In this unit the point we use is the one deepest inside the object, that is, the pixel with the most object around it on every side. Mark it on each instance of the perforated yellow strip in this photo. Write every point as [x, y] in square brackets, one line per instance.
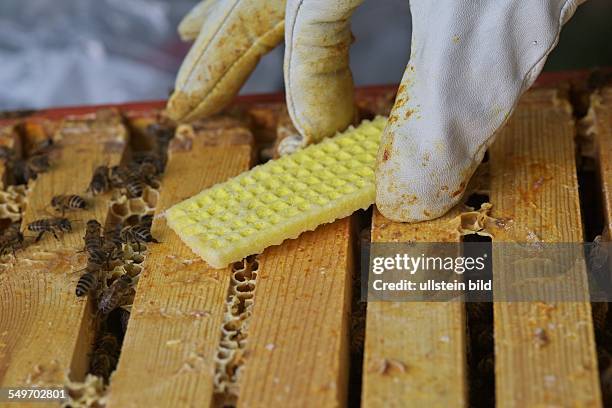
[282, 198]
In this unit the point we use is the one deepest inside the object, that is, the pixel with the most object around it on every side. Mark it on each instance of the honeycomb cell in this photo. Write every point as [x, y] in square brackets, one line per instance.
[123, 209]
[281, 198]
[89, 393]
[12, 202]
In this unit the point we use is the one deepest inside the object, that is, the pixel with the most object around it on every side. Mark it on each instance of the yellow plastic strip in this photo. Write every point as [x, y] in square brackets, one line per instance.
[281, 198]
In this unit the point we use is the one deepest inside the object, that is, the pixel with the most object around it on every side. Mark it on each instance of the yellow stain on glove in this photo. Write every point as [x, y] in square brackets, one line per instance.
[281, 198]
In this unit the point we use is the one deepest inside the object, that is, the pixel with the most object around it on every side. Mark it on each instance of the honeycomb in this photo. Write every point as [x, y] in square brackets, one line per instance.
[87, 394]
[9, 137]
[10, 145]
[476, 221]
[127, 210]
[123, 211]
[230, 352]
[282, 198]
[12, 202]
[132, 264]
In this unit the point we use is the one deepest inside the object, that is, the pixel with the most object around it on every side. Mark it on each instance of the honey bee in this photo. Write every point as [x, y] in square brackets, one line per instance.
[43, 147]
[111, 254]
[65, 202]
[93, 236]
[107, 343]
[149, 174]
[127, 178]
[115, 294]
[6, 153]
[87, 282]
[100, 252]
[100, 258]
[11, 240]
[150, 162]
[118, 176]
[134, 186]
[100, 182]
[112, 236]
[51, 225]
[162, 133]
[146, 220]
[29, 169]
[105, 356]
[137, 234]
[93, 228]
[35, 165]
[124, 318]
[102, 365]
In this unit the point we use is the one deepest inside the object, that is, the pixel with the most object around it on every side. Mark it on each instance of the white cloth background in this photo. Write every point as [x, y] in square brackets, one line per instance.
[70, 52]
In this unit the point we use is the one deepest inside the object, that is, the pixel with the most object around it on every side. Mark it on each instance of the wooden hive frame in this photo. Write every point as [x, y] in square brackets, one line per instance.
[299, 339]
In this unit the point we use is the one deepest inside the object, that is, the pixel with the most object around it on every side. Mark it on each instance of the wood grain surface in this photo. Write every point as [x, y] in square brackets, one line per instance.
[175, 325]
[297, 350]
[415, 352]
[45, 330]
[602, 133]
[544, 351]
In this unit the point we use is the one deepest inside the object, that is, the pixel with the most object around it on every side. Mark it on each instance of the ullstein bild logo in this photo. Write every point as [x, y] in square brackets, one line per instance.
[432, 285]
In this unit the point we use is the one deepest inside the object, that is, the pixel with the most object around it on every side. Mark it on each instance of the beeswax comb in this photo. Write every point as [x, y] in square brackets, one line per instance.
[282, 198]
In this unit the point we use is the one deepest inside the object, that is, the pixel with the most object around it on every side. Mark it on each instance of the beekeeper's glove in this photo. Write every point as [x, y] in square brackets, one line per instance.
[470, 62]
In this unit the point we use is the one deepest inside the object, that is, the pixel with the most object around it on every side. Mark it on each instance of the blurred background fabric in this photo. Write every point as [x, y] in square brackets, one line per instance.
[74, 52]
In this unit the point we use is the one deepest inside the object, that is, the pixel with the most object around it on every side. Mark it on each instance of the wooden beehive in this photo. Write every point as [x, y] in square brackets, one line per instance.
[286, 328]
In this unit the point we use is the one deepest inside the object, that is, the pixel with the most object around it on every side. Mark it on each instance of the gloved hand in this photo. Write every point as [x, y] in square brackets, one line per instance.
[470, 62]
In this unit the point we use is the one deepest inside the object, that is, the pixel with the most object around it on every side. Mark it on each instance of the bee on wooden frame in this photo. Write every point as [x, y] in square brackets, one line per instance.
[99, 251]
[162, 133]
[100, 180]
[113, 296]
[50, 225]
[105, 355]
[112, 236]
[43, 147]
[11, 240]
[25, 170]
[127, 178]
[137, 234]
[63, 202]
[6, 153]
[88, 281]
[93, 235]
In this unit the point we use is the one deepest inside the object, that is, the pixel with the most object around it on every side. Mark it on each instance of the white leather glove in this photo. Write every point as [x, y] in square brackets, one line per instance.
[470, 62]
[230, 38]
